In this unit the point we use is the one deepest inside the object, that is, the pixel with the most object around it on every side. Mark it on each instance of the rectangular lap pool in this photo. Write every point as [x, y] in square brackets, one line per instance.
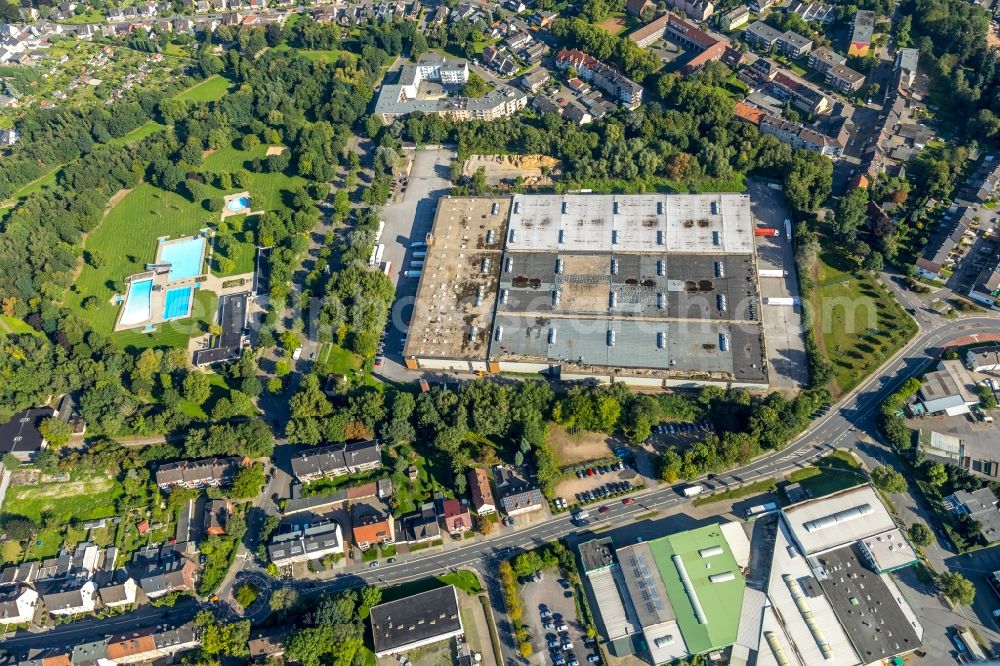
[184, 257]
[137, 303]
[177, 303]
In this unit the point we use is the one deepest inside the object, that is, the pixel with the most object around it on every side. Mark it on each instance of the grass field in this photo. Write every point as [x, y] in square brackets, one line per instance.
[859, 324]
[335, 359]
[242, 253]
[13, 325]
[84, 497]
[834, 472]
[219, 390]
[38, 184]
[209, 90]
[332, 55]
[139, 133]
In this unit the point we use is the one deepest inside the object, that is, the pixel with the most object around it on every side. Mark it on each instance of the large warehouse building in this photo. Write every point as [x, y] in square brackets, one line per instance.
[651, 290]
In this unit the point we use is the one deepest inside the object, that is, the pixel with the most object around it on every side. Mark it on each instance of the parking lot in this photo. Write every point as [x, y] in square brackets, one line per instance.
[408, 219]
[593, 483]
[550, 612]
[786, 353]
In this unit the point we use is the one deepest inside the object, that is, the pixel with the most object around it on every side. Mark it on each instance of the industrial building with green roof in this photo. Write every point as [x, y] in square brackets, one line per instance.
[670, 597]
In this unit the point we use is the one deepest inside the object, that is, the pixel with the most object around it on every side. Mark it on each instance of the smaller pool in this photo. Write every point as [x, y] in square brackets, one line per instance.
[238, 204]
[137, 303]
[177, 303]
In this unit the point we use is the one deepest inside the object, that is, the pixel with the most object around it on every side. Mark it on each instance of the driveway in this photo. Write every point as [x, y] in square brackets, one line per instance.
[407, 220]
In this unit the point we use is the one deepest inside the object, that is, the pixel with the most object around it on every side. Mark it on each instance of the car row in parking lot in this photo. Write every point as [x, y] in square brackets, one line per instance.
[607, 490]
[675, 428]
[601, 470]
[559, 641]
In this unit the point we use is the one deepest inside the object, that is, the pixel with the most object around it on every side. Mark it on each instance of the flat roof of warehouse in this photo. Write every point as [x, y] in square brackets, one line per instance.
[700, 223]
[453, 275]
[704, 574]
[689, 346]
[838, 519]
[875, 623]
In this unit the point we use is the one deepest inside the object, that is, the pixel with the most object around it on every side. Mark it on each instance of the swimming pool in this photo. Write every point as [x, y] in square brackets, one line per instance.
[238, 204]
[184, 257]
[177, 303]
[136, 309]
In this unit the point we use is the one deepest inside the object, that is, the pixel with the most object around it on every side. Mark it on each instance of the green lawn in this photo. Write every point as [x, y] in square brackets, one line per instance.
[834, 472]
[333, 358]
[464, 580]
[139, 133]
[9, 325]
[266, 189]
[219, 390]
[38, 184]
[858, 322]
[209, 90]
[84, 497]
[756, 488]
[242, 253]
[332, 55]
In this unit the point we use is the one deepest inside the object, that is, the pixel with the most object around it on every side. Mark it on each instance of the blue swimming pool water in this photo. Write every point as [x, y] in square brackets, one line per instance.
[238, 204]
[136, 309]
[177, 303]
[184, 258]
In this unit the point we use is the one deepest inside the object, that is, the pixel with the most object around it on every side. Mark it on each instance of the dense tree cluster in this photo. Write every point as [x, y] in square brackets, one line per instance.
[636, 63]
[336, 633]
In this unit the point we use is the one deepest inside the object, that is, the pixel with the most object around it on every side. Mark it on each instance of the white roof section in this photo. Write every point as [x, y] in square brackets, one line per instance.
[665, 642]
[890, 550]
[798, 641]
[738, 541]
[646, 223]
[821, 524]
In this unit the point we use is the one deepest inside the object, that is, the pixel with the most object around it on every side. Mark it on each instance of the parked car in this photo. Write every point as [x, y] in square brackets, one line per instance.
[554, 644]
[391, 560]
[628, 501]
[593, 658]
[562, 628]
[603, 509]
[374, 565]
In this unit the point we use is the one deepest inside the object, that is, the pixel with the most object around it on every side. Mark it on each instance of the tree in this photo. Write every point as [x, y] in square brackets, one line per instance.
[921, 535]
[283, 599]
[248, 482]
[888, 480]
[19, 528]
[937, 475]
[245, 595]
[850, 214]
[957, 588]
[197, 387]
[227, 639]
[309, 646]
[371, 596]
[55, 431]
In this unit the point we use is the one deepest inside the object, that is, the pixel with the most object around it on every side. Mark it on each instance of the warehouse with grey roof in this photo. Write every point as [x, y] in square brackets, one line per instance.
[653, 290]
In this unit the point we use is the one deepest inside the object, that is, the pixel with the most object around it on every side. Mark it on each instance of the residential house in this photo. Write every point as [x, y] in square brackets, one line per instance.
[119, 594]
[336, 460]
[986, 288]
[950, 390]
[640, 8]
[199, 473]
[861, 33]
[762, 36]
[980, 506]
[798, 135]
[814, 11]
[544, 19]
[838, 75]
[650, 33]
[72, 597]
[421, 525]
[498, 62]
[517, 495]
[372, 529]
[577, 114]
[518, 40]
[267, 644]
[308, 542]
[946, 248]
[8, 137]
[601, 75]
[217, 514]
[535, 80]
[906, 66]
[164, 569]
[455, 516]
[18, 604]
[983, 359]
[735, 18]
[479, 489]
[696, 10]
[20, 436]
[761, 6]
[793, 44]
[406, 624]
[150, 644]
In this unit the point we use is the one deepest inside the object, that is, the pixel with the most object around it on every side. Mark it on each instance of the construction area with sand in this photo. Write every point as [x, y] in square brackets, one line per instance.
[534, 169]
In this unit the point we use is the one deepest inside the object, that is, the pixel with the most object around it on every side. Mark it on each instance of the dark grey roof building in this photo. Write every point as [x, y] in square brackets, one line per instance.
[336, 460]
[412, 622]
[20, 436]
